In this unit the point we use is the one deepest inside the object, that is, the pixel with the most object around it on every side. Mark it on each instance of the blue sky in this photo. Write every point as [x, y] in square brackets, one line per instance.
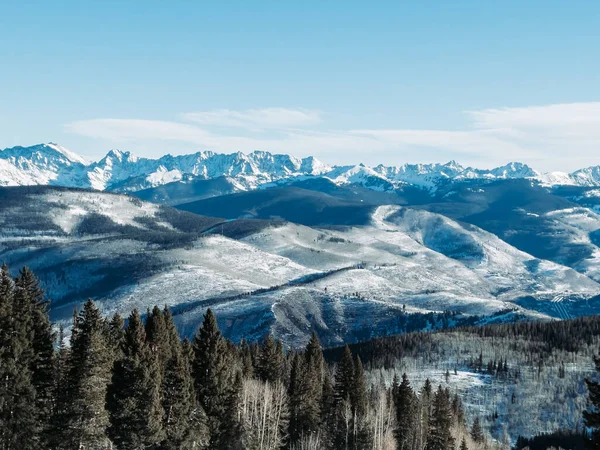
[392, 82]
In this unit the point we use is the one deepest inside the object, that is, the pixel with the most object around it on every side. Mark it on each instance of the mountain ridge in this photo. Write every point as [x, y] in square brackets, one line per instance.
[122, 171]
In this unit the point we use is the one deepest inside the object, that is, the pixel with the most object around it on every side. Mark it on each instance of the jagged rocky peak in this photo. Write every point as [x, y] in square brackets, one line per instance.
[121, 170]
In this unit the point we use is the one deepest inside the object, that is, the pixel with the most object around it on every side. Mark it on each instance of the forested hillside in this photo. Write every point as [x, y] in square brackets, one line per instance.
[134, 384]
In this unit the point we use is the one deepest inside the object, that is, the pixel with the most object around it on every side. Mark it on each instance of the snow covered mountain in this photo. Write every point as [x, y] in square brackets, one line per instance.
[51, 164]
[347, 282]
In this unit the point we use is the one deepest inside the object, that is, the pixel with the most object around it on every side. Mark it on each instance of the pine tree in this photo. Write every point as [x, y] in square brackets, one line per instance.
[182, 422]
[477, 432]
[42, 362]
[271, 361]
[246, 358]
[360, 405]
[306, 390]
[178, 403]
[424, 414]
[115, 335]
[463, 445]
[60, 392]
[404, 400]
[88, 374]
[133, 397]
[19, 423]
[344, 377]
[214, 380]
[342, 427]
[592, 415]
[157, 336]
[297, 396]
[440, 423]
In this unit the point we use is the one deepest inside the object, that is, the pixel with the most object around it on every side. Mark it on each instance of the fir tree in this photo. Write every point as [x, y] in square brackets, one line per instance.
[246, 358]
[592, 414]
[463, 445]
[440, 423]
[214, 380]
[60, 393]
[89, 364]
[306, 390]
[297, 396]
[404, 400]
[342, 427]
[271, 361]
[344, 377]
[477, 432]
[19, 422]
[42, 362]
[179, 403]
[133, 397]
[360, 405]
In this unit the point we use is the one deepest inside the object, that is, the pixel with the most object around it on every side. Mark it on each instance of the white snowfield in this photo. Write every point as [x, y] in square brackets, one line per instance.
[51, 164]
[348, 283]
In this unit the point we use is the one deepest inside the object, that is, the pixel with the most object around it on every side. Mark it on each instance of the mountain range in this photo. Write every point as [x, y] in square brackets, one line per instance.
[276, 244]
[52, 164]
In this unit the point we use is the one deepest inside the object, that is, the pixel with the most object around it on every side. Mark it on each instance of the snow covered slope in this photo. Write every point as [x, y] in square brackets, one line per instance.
[51, 164]
[347, 282]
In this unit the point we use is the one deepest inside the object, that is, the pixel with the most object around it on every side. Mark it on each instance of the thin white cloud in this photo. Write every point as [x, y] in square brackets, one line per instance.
[552, 137]
[585, 116]
[256, 119]
[133, 129]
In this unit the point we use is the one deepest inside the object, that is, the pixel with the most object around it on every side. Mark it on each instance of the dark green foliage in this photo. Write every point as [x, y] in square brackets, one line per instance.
[592, 415]
[42, 362]
[440, 423]
[214, 380]
[89, 365]
[133, 397]
[272, 361]
[141, 387]
[344, 377]
[405, 402]
[477, 432]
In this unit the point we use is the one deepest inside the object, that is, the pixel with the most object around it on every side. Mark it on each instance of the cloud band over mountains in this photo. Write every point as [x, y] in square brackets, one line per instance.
[551, 137]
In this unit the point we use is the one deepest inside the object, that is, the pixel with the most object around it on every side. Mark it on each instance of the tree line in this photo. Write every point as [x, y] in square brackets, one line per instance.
[135, 384]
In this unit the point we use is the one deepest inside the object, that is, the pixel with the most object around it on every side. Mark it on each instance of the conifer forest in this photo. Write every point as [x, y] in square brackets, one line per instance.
[133, 383]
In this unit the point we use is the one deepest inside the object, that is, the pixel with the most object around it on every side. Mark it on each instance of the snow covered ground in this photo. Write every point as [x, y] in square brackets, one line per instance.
[349, 283]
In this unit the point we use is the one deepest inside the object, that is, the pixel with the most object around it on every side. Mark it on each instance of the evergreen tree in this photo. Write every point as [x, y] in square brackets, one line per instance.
[440, 423]
[133, 397]
[19, 423]
[157, 336]
[404, 400]
[424, 414]
[458, 411]
[297, 396]
[360, 406]
[463, 445]
[42, 362]
[115, 335]
[246, 358]
[179, 403]
[477, 432]
[272, 362]
[342, 427]
[344, 377]
[214, 381]
[592, 415]
[60, 393]
[306, 390]
[88, 374]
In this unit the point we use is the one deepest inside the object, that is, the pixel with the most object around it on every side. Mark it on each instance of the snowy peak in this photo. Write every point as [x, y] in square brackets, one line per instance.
[590, 176]
[52, 164]
[41, 154]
